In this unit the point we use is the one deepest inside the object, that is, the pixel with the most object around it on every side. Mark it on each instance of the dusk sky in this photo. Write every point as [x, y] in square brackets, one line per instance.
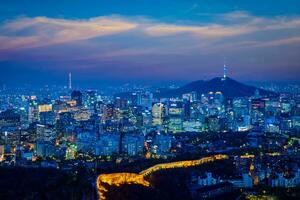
[137, 40]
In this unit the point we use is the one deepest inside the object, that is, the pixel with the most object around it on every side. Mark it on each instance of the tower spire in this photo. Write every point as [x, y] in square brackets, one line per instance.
[70, 80]
[224, 70]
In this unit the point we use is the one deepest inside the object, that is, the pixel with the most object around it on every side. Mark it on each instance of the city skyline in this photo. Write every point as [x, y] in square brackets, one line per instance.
[150, 100]
[219, 137]
[176, 41]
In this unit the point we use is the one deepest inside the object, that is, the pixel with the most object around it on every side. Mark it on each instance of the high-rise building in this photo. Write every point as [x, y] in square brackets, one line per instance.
[132, 145]
[214, 124]
[77, 96]
[82, 114]
[191, 96]
[45, 108]
[108, 144]
[9, 118]
[147, 100]
[86, 141]
[109, 112]
[91, 100]
[33, 112]
[47, 118]
[136, 98]
[45, 133]
[158, 113]
[175, 116]
[46, 115]
[120, 103]
[161, 144]
[258, 113]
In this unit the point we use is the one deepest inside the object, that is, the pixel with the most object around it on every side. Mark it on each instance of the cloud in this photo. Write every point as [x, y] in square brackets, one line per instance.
[279, 42]
[142, 36]
[43, 31]
[209, 31]
[236, 15]
[228, 25]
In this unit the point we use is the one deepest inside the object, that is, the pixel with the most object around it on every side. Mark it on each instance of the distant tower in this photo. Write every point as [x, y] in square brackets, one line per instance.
[225, 71]
[70, 80]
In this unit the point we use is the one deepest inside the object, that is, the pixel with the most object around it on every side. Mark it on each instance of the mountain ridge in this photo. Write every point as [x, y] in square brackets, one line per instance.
[229, 87]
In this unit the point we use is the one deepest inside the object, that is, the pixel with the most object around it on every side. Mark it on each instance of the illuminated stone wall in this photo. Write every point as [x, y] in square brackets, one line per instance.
[117, 179]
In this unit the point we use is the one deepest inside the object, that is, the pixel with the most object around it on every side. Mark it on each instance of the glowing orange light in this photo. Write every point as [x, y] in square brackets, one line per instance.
[118, 179]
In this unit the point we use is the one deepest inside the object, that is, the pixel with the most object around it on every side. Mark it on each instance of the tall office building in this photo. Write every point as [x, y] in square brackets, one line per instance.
[158, 113]
[121, 103]
[108, 144]
[258, 113]
[47, 118]
[191, 96]
[109, 112]
[77, 96]
[132, 145]
[91, 100]
[33, 111]
[175, 117]
[44, 133]
[9, 118]
[136, 98]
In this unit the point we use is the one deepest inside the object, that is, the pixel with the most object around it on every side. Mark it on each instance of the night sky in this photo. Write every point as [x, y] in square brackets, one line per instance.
[138, 40]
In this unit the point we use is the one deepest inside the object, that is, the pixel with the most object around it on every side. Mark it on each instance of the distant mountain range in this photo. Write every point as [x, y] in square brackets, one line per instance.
[228, 86]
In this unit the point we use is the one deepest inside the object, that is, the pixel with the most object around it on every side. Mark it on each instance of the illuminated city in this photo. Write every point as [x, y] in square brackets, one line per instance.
[150, 100]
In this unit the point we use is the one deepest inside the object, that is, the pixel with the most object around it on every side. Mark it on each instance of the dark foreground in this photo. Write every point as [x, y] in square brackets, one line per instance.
[27, 184]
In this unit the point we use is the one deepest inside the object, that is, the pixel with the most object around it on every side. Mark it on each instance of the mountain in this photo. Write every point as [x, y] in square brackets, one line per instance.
[228, 86]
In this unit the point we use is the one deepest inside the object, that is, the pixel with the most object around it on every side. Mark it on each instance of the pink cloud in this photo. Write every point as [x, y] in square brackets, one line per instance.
[23, 33]
[48, 31]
